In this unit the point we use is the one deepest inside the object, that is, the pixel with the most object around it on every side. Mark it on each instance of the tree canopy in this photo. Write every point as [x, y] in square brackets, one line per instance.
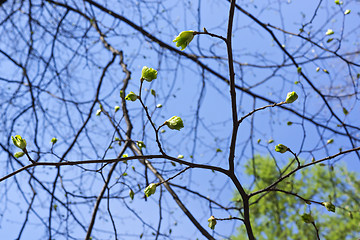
[277, 213]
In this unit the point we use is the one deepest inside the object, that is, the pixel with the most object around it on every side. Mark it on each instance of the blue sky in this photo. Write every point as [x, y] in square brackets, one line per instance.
[202, 102]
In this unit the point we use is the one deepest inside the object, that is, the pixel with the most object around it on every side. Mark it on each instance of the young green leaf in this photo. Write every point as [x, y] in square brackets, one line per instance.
[131, 97]
[140, 144]
[148, 74]
[307, 218]
[19, 142]
[281, 148]
[152, 91]
[150, 190]
[131, 194]
[329, 206]
[291, 97]
[19, 154]
[183, 39]
[212, 222]
[329, 32]
[174, 123]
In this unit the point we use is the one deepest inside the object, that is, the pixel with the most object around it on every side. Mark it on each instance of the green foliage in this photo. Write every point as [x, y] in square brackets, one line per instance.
[131, 194]
[183, 39]
[131, 96]
[140, 144]
[329, 32]
[338, 2]
[278, 215]
[329, 206]
[291, 97]
[307, 218]
[150, 190]
[153, 92]
[212, 222]
[174, 123]
[281, 148]
[19, 154]
[148, 74]
[19, 142]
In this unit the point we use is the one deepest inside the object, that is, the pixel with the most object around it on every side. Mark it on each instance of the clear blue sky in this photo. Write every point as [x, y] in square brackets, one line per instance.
[180, 91]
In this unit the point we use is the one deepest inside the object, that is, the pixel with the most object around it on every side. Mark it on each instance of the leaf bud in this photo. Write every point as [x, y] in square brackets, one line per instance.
[148, 74]
[54, 140]
[174, 123]
[131, 194]
[212, 222]
[329, 206]
[140, 144]
[150, 190]
[19, 154]
[291, 97]
[183, 39]
[281, 148]
[19, 142]
[131, 96]
[307, 218]
[329, 32]
[152, 91]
